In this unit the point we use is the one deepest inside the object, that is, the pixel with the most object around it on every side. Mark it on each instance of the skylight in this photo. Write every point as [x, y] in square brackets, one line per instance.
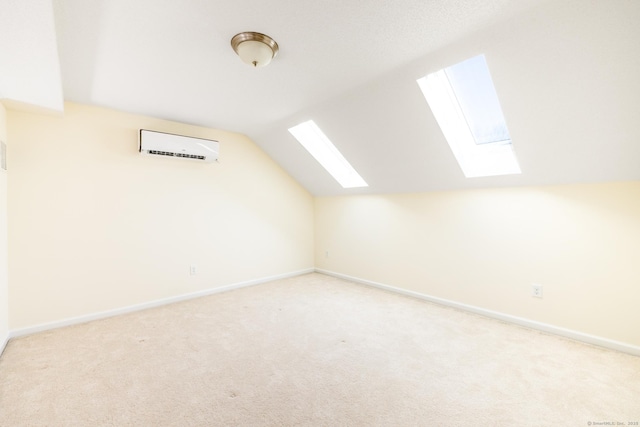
[466, 106]
[322, 149]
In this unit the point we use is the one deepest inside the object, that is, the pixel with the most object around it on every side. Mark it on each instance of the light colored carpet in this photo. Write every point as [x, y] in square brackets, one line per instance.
[311, 351]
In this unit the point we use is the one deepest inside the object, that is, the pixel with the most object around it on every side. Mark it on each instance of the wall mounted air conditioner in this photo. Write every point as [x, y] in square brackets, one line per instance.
[166, 144]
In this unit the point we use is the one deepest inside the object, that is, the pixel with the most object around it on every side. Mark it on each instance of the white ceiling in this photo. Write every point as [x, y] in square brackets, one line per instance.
[567, 74]
[29, 66]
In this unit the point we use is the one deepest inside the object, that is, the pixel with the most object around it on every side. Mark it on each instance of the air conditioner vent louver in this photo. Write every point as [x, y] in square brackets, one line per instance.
[166, 153]
[186, 147]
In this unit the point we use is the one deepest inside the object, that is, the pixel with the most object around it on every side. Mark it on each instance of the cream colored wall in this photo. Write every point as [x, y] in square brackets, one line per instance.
[486, 247]
[4, 292]
[97, 226]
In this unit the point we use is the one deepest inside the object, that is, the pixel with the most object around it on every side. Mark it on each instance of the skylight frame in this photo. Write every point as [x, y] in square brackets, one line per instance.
[475, 159]
[311, 137]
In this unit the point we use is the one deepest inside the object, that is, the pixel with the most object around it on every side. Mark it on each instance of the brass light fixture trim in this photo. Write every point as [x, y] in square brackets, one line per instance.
[250, 36]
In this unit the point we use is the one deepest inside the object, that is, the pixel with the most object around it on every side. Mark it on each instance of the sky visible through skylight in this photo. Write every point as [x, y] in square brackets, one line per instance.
[472, 84]
[465, 105]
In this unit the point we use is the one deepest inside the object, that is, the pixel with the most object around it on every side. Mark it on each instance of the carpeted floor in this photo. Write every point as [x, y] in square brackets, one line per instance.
[312, 351]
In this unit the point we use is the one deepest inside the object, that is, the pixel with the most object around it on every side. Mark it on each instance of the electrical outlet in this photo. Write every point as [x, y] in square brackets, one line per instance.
[536, 290]
[192, 270]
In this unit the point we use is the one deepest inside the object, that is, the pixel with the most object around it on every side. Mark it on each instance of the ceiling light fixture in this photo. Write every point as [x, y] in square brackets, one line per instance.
[255, 49]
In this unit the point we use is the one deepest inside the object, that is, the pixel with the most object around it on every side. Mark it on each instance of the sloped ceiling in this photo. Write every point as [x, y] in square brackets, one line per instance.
[566, 73]
[29, 65]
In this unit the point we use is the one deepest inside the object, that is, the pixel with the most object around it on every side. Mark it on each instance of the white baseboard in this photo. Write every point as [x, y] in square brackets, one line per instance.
[3, 343]
[568, 333]
[151, 304]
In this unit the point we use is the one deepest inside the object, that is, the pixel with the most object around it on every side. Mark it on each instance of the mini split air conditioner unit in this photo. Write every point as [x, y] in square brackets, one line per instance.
[166, 144]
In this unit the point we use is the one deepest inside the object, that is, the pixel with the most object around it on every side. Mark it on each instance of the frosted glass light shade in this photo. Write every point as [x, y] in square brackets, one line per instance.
[255, 53]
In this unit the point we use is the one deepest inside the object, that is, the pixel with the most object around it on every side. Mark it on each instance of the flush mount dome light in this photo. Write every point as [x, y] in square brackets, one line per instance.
[255, 49]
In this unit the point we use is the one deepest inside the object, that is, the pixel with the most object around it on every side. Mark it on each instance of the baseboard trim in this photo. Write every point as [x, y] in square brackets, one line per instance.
[3, 343]
[544, 327]
[151, 304]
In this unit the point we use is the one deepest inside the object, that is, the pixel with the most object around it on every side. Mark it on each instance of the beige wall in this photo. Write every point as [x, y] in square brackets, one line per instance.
[485, 248]
[4, 304]
[97, 226]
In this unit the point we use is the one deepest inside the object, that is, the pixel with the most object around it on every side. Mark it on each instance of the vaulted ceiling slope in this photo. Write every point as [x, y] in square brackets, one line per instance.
[29, 65]
[566, 74]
